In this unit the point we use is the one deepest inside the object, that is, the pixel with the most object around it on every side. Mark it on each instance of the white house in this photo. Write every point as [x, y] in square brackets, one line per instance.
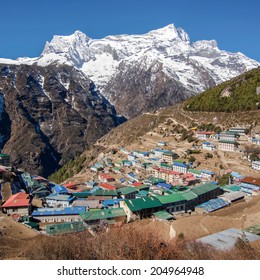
[208, 146]
[226, 145]
[256, 165]
[203, 135]
[59, 200]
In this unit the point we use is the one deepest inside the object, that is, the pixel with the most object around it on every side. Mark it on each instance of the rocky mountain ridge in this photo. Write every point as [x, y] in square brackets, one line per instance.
[137, 73]
[49, 115]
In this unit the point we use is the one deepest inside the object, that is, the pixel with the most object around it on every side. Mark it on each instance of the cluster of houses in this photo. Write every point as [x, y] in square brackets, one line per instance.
[229, 141]
[143, 184]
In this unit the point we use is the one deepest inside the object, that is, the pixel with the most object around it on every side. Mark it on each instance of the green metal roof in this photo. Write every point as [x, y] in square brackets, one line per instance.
[105, 193]
[166, 165]
[138, 204]
[102, 214]
[168, 153]
[189, 195]
[172, 198]
[32, 225]
[228, 133]
[231, 188]
[201, 189]
[81, 194]
[126, 190]
[4, 155]
[253, 229]
[117, 168]
[194, 171]
[146, 163]
[143, 193]
[155, 180]
[67, 227]
[228, 142]
[163, 215]
[142, 187]
[179, 160]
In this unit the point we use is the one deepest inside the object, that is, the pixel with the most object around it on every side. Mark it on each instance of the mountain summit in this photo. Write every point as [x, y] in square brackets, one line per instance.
[137, 73]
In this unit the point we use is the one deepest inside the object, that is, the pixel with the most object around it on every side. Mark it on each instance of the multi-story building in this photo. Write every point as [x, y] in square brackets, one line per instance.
[226, 145]
[228, 136]
[256, 165]
[5, 160]
[238, 130]
[180, 167]
[168, 157]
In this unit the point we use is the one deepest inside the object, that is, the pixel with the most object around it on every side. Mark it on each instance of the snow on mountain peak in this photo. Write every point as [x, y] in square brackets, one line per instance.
[169, 32]
[103, 59]
[205, 44]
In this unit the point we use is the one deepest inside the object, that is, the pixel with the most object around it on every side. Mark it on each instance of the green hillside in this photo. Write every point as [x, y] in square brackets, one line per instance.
[239, 94]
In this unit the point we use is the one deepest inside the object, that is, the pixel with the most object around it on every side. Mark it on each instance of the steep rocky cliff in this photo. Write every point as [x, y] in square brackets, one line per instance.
[50, 114]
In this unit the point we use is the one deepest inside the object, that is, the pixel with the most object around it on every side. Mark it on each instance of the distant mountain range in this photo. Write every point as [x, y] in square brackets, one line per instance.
[137, 73]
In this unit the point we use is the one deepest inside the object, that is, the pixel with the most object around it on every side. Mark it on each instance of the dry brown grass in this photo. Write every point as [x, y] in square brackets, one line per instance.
[120, 244]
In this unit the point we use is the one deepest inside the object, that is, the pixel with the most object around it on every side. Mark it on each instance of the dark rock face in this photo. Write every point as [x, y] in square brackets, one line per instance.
[49, 115]
[136, 90]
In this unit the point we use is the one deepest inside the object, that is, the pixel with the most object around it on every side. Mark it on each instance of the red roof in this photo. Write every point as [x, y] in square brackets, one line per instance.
[40, 178]
[17, 200]
[107, 186]
[187, 175]
[190, 179]
[106, 176]
[251, 180]
[70, 185]
[137, 184]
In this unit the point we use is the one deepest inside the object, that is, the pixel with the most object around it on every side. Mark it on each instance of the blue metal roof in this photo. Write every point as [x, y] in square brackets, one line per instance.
[180, 164]
[131, 174]
[111, 202]
[164, 185]
[161, 150]
[248, 186]
[208, 172]
[59, 189]
[94, 189]
[213, 204]
[58, 211]
[236, 175]
[154, 159]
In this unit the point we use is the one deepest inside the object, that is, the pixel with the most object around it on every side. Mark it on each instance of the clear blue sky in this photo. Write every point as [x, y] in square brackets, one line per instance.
[25, 25]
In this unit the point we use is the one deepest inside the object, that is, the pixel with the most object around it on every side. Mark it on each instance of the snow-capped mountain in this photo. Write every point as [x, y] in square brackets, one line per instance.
[143, 72]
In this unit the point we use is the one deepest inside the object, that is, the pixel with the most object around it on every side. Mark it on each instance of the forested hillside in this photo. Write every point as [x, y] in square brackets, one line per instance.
[239, 94]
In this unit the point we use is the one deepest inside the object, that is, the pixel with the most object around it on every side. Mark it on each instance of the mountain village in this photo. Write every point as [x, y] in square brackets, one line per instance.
[126, 185]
